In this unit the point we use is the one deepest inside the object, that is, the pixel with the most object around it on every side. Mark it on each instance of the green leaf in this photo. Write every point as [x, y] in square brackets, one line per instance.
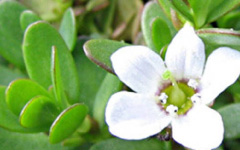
[150, 12]
[17, 141]
[37, 56]
[100, 50]
[20, 91]
[39, 112]
[67, 122]
[7, 75]
[230, 20]
[230, 115]
[221, 9]
[68, 29]
[182, 8]
[28, 17]
[214, 38]
[201, 9]
[110, 85]
[161, 34]
[9, 120]
[166, 6]
[57, 80]
[118, 144]
[11, 34]
[90, 75]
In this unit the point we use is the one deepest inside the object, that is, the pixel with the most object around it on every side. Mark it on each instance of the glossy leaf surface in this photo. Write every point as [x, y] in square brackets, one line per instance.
[36, 44]
[11, 34]
[100, 50]
[40, 112]
[68, 29]
[28, 17]
[67, 122]
[19, 92]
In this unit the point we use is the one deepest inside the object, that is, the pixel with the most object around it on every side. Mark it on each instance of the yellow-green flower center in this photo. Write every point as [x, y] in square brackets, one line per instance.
[179, 95]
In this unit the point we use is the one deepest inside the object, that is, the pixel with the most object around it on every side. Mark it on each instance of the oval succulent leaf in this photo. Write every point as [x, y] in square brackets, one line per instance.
[68, 29]
[28, 17]
[151, 11]
[230, 115]
[11, 34]
[100, 50]
[9, 120]
[67, 122]
[214, 38]
[20, 91]
[39, 112]
[37, 56]
[161, 34]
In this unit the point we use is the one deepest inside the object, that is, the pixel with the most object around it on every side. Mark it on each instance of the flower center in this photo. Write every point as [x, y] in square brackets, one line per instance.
[178, 98]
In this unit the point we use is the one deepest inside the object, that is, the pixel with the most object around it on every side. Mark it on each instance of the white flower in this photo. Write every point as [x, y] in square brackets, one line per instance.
[173, 93]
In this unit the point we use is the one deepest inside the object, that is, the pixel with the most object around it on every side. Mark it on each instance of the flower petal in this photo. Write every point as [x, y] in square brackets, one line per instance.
[200, 128]
[139, 68]
[134, 116]
[185, 55]
[222, 70]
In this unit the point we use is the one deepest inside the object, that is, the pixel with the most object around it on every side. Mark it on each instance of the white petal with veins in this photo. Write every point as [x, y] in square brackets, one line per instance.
[139, 68]
[134, 116]
[186, 55]
[222, 69]
[200, 128]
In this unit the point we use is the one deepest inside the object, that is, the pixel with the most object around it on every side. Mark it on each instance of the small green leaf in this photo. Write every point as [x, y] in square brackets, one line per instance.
[37, 56]
[119, 144]
[9, 120]
[161, 34]
[182, 8]
[28, 17]
[18, 141]
[7, 75]
[67, 122]
[100, 50]
[230, 115]
[57, 80]
[110, 85]
[11, 34]
[214, 38]
[39, 112]
[68, 29]
[19, 92]
[222, 8]
[150, 12]
[201, 9]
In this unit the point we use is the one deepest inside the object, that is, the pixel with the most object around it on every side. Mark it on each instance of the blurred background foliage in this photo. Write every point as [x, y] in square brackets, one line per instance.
[71, 92]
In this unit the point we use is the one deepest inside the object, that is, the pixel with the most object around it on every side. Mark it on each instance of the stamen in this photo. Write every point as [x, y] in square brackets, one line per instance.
[172, 110]
[193, 83]
[196, 98]
[163, 98]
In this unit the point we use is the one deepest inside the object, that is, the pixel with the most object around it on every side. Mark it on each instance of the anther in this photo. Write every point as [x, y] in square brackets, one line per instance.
[196, 98]
[163, 98]
[172, 110]
[193, 83]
